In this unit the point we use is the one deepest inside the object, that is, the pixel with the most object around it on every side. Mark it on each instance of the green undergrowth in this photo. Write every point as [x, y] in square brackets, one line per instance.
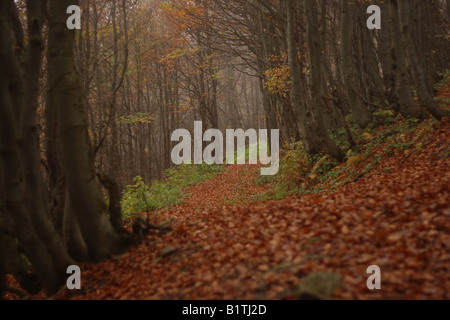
[141, 197]
[445, 80]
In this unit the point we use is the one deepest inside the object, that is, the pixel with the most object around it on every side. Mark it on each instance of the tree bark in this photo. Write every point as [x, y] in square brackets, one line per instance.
[360, 113]
[35, 195]
[321, 137]
[77, 154]
[404, 100]
[72, 233]
[299, 108]
[423, 86]
[18, 95]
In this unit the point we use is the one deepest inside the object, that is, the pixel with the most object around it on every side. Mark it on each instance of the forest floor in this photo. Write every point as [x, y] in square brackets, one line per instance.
[224, 246]
[227, 244]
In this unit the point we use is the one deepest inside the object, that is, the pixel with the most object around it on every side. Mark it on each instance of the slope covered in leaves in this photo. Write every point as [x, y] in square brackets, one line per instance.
[396, 219]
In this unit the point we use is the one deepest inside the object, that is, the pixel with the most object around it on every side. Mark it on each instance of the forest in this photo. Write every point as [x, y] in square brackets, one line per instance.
[89, 116]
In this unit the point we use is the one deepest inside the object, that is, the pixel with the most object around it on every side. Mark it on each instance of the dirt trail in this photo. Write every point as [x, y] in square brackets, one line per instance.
[236, 185]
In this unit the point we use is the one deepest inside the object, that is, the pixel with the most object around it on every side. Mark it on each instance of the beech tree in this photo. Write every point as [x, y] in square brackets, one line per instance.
[25, 213]
[24, 207]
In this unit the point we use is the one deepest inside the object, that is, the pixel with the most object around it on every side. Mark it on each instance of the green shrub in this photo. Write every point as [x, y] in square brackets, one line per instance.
[186, 175]
[294, 169]
[139, 197]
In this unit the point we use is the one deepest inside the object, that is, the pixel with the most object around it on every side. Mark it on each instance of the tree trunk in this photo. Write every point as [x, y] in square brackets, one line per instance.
[385, 53]
[77, 154]
[404, 100]
[299, 108]
[72, 233]
[321, 137]
[36, 198]
[22, 181]
[360, 113]
[423, 86]
[33, 246]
